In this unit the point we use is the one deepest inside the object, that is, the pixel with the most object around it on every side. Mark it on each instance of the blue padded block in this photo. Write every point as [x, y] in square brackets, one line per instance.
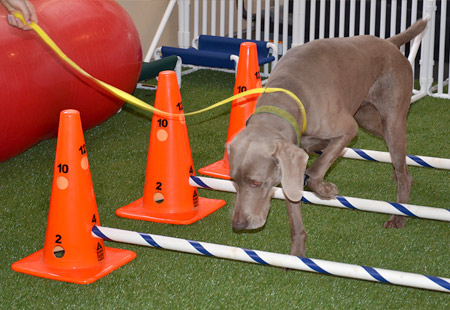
[263, 61]
[200, 58]
[215, 51]
[229, 45]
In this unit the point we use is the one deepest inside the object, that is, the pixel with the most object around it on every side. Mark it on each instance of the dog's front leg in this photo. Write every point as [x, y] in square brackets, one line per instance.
[316, 172]
[298, 233]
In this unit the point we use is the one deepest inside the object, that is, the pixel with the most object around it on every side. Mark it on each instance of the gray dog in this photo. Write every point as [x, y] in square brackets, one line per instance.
[342, 82]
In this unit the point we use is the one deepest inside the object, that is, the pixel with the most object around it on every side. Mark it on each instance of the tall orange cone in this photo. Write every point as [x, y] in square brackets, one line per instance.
[70, 251]
[247, 77]
[168, 197]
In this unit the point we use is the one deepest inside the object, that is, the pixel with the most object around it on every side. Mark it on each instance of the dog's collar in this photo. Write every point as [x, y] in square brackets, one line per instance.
[293, 96]
[283, 114]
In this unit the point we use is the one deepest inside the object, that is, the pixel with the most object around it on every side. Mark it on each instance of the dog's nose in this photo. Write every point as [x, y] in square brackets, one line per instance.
[239, 224]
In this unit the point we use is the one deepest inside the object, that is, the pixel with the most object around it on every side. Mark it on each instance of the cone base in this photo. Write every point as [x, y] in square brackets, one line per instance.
[137, 211]
[219, 169]
[34, 265]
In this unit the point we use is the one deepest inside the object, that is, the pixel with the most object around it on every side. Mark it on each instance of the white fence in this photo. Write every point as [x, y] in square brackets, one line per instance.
[295, 22]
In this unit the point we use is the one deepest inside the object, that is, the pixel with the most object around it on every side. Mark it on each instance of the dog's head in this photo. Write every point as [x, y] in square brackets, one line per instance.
[257, 164]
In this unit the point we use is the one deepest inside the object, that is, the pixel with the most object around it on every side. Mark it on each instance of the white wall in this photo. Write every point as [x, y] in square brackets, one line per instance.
[147, 15]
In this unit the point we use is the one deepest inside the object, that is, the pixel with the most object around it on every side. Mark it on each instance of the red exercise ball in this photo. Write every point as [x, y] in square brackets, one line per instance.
[36, 85]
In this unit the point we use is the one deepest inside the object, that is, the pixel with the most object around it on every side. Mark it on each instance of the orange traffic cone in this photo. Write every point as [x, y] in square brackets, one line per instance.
[247, 77]
[70, 251]
[168, 197]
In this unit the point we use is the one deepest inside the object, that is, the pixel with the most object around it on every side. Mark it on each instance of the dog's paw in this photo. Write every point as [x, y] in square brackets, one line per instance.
[396, 221]
[324, 190]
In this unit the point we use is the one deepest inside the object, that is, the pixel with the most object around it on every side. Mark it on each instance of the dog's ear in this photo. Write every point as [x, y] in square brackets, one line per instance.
[292, 161]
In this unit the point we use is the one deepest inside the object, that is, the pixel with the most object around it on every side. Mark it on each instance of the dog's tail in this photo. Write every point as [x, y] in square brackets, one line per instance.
[409, 34]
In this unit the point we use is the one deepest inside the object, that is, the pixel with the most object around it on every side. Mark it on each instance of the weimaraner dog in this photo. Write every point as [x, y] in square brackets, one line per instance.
[342, 82]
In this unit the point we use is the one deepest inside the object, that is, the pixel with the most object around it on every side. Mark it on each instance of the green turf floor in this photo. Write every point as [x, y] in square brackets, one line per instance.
[159, 279]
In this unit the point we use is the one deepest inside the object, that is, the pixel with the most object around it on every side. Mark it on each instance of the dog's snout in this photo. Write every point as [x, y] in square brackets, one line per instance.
[239, 224]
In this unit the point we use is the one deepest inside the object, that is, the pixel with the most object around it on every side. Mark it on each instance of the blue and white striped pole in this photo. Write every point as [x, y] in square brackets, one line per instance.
[275, 259]
[340, 201]
[385, 157]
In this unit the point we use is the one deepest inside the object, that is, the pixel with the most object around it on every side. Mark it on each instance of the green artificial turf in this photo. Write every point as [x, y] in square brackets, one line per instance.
[160, 279]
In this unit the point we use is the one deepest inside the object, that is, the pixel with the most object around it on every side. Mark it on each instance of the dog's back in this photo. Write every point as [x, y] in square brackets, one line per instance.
[326, 74]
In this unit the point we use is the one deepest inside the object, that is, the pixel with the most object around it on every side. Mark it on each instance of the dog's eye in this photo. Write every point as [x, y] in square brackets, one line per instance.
[255, 184]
